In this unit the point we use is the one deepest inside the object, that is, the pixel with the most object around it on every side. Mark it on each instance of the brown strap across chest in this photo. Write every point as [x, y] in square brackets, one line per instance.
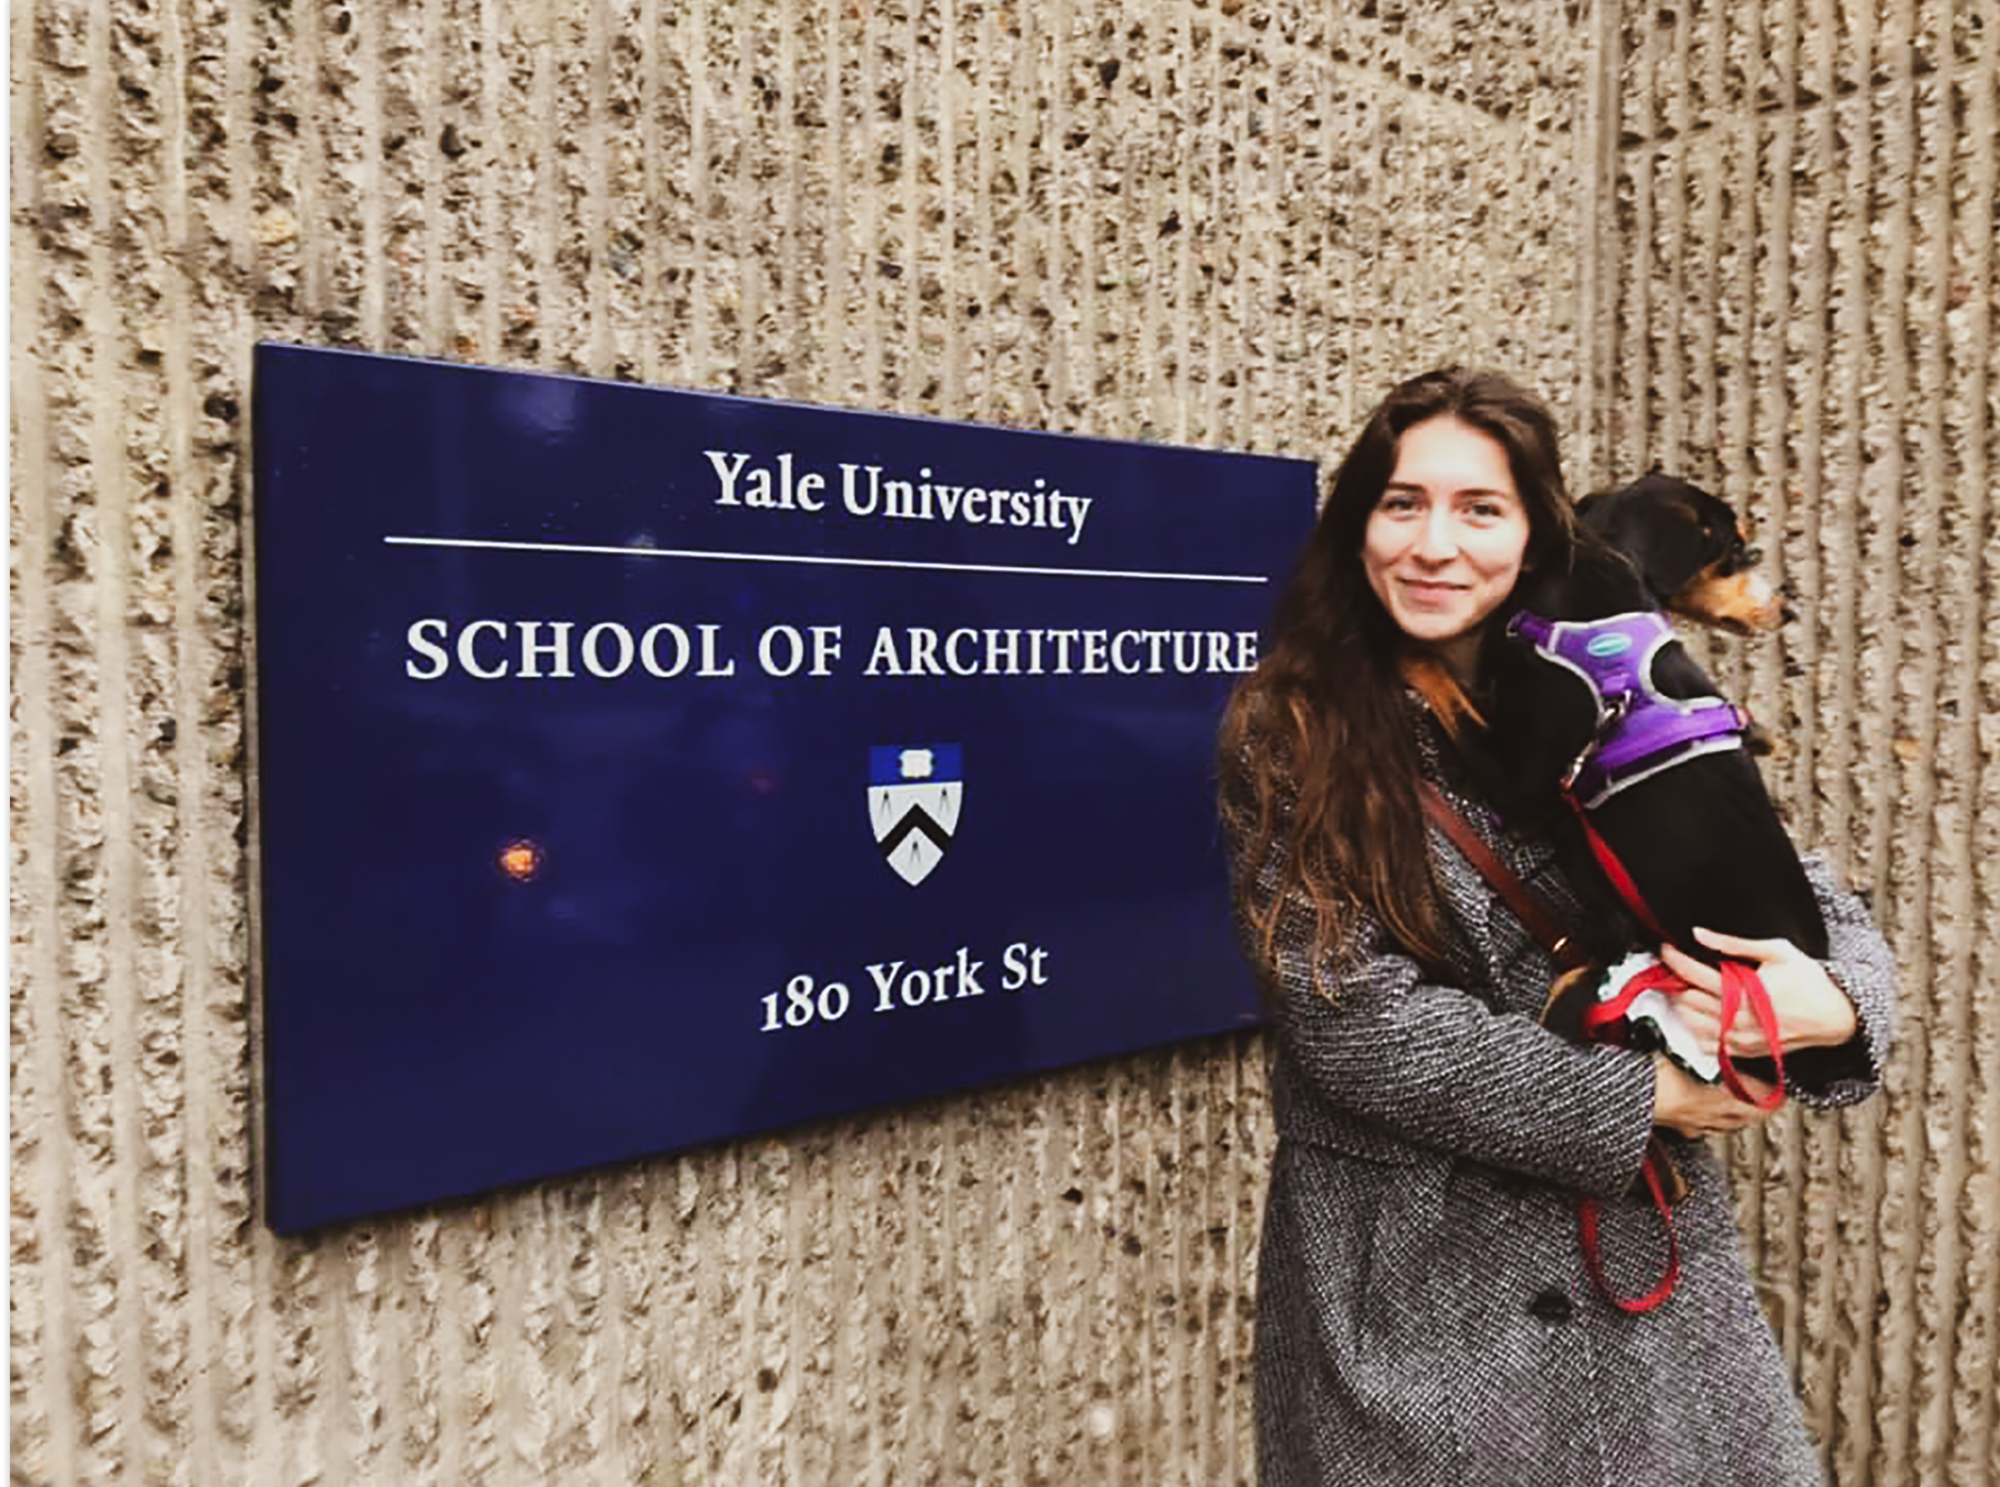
[1519, 897]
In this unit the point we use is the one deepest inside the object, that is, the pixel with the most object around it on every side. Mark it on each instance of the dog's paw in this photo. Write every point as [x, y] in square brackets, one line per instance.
[1571, 996]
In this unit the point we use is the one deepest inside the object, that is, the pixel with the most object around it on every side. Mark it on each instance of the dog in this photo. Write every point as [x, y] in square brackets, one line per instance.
[1600, 729]
[1599, 723]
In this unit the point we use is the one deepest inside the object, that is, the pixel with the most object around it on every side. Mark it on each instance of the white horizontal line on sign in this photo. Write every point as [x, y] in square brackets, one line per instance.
[489, 544]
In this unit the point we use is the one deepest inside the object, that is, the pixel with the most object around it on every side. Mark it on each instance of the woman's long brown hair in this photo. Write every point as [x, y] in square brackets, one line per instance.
[1316, 756]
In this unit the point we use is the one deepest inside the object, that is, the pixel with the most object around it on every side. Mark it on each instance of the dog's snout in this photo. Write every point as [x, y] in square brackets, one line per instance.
[1786, 614]
[1752, 556]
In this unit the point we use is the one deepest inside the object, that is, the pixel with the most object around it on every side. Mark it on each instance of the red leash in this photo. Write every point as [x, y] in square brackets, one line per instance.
[1593, 1255]
[1600, 1024]
[1615, 871]
[1740, 982]
[1656, 977]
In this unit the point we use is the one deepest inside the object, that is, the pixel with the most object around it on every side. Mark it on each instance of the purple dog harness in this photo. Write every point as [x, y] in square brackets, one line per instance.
[1639, 730]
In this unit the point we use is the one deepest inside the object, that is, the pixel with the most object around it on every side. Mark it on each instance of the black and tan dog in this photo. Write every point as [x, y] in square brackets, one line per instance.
[1599, 728]
[1694, 826]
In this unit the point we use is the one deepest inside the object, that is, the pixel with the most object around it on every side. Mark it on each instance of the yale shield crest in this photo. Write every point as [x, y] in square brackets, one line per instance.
[914, 794]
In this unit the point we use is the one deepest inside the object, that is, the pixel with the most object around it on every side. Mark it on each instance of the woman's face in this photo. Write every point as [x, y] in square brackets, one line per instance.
[1444, 544]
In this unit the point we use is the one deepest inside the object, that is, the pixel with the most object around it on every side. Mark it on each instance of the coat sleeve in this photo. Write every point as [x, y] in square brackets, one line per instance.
[1859, 961]
[1437, 1067]
[1371, 1035]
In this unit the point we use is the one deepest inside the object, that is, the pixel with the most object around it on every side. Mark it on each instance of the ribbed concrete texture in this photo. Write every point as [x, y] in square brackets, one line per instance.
[1802, 255]
[1753, 240]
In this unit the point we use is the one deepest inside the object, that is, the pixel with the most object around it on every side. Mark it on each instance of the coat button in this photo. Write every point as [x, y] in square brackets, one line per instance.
[1551, 1306]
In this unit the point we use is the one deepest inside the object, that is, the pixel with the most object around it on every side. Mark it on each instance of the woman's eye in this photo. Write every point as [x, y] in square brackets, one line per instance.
[1398, 503]
[1488, 510]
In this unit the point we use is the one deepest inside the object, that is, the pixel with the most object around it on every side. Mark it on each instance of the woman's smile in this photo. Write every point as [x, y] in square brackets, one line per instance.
[1431, 591]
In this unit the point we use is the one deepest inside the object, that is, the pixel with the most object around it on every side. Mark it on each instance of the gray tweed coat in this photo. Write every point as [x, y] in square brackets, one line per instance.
[1423, 1311]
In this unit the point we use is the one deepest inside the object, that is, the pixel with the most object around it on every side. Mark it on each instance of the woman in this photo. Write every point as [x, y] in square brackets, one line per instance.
[1424, 1313]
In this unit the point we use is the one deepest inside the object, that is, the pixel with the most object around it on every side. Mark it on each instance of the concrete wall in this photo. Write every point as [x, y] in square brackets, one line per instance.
[1801, 245]
[1227, 224]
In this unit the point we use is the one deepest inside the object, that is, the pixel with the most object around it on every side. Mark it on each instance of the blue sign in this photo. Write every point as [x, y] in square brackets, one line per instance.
[639, 768]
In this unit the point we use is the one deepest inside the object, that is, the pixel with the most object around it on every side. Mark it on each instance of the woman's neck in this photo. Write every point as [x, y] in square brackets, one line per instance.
[1449, 700]
[1460, 657]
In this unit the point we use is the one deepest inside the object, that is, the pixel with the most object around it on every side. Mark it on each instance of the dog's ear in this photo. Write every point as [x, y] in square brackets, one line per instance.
[1725, 531]
[1664, 537]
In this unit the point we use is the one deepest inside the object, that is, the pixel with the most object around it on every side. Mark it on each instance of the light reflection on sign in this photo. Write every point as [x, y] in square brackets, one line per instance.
[520, 861]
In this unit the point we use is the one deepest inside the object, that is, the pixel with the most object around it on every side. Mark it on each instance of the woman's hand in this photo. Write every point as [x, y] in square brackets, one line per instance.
[1811, 1011]
[1683, 1103]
